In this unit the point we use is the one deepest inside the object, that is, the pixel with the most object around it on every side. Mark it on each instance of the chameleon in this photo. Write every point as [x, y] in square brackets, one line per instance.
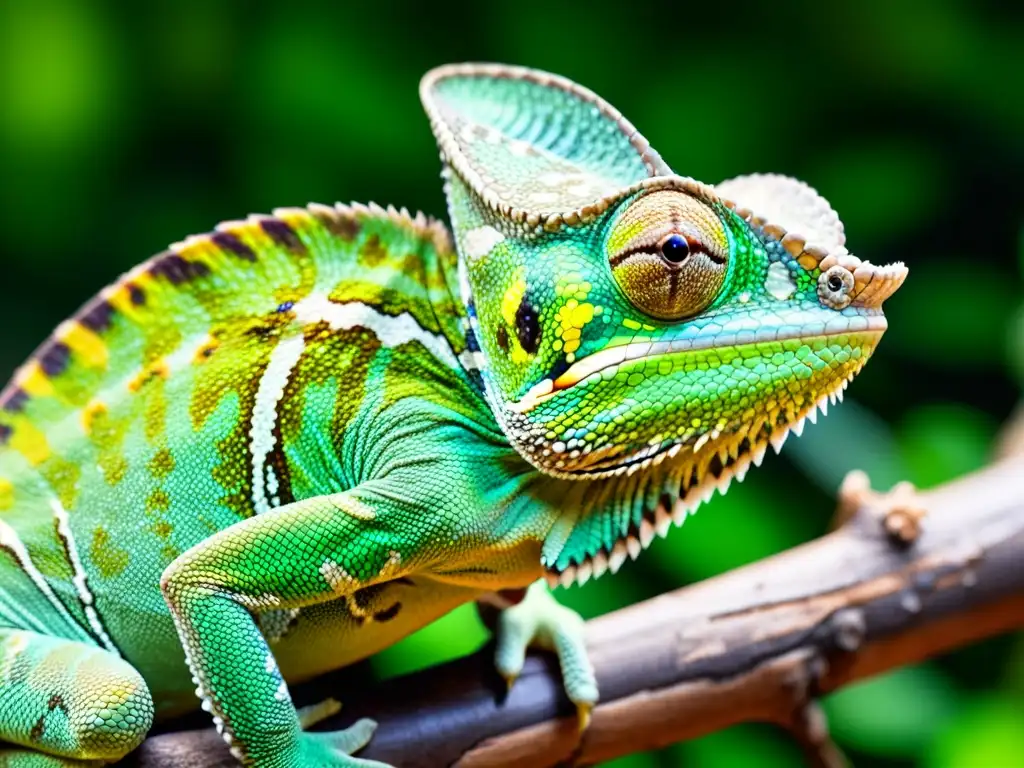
[277, 448]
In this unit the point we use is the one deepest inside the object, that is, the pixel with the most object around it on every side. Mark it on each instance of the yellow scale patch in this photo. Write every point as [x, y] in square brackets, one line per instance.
[86, 345]
[34, 381]
[571, 318]
[30, 443]
[6, 494]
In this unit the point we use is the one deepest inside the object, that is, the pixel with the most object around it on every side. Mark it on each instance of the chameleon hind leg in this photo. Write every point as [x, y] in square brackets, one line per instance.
[72, 701]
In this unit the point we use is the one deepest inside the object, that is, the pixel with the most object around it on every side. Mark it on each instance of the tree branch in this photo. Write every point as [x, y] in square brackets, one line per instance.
[757, 644]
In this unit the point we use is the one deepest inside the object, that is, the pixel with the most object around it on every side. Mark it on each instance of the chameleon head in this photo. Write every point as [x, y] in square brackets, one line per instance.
[628, 316]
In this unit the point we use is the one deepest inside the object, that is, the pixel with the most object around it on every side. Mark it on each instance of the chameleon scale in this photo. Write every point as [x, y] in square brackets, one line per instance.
[277, 448]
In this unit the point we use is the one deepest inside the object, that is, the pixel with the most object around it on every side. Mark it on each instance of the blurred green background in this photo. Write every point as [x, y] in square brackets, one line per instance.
[124, 128]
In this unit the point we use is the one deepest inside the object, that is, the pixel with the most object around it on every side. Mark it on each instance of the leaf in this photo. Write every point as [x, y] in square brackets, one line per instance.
[895, 715]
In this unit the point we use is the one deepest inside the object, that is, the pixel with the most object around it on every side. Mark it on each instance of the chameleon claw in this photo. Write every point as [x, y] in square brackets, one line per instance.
[316, 713]
[583, 715]
[510, 680]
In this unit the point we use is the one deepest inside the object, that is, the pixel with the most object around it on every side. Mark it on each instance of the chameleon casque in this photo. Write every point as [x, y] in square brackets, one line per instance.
[284, 445]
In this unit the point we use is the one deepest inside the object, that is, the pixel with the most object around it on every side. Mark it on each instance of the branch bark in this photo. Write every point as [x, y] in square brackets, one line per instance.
[757, 644]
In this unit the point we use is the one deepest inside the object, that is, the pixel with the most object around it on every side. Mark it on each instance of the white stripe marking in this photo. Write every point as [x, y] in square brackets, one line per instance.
[79, 577]
[390, 330]
[9, 540]
[283, 360]
[480, 241]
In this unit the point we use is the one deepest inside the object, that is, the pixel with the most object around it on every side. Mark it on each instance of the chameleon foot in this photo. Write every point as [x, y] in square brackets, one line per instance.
[540, 621]
[334, 749]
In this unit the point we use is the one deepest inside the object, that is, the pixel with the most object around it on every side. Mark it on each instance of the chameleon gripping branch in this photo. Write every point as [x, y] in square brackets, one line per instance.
[760, 643]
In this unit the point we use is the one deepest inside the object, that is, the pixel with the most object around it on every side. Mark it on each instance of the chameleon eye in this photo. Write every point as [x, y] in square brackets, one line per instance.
[835, 287]
[669, 254]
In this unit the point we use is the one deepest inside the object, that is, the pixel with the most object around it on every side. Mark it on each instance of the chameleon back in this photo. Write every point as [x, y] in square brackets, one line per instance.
[148, 421]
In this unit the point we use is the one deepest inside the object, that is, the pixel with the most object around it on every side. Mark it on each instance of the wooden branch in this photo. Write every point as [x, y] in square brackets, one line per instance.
[757, 644]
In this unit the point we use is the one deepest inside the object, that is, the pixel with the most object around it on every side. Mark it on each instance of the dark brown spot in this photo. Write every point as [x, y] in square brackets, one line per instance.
[231, 243]
[13, 399]
[5, 433]
[690, 481]
[502, 338]
[56, 702]
[372, 252]
[176, 268]
[365, 597]
[715, 466]
[53, 357]
[512, 596]
[343, 225]
[528, 326]
[136, 294]
[388, 613]
[282, 234]
[162, 464]
[97, 315]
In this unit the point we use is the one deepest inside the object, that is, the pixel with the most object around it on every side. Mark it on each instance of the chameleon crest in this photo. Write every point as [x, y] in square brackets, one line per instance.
[277, 448]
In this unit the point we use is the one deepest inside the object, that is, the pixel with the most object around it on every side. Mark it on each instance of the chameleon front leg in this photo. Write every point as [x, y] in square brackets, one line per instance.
[71, 700]
[312, 551]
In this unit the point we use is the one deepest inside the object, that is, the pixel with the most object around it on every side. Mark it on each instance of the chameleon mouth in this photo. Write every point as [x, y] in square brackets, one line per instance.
[712, 464]
[608, 360]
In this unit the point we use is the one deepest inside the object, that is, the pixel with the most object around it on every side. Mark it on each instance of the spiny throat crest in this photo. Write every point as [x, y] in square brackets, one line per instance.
[675, 482]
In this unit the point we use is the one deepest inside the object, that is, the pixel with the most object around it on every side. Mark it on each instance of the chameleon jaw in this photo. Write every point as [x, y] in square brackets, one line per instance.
[613, 357]
[705, 470]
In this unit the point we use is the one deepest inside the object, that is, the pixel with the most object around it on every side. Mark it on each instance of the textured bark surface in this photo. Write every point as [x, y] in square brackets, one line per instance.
[757, 644]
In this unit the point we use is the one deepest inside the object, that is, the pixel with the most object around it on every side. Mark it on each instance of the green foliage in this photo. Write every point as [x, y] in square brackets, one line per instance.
[126, 127]
[986, 732]
[896, 715]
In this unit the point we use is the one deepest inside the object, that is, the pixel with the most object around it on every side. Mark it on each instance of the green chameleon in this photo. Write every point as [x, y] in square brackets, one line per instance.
[276, 449]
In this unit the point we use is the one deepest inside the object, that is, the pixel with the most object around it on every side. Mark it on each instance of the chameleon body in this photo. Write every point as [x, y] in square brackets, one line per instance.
[277, 448]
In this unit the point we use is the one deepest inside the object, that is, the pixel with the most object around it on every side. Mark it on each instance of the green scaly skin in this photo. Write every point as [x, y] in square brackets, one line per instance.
[278, 448]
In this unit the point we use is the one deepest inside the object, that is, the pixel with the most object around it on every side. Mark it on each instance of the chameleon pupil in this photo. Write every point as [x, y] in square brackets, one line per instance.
[835, 284]
[675, 249]
[528, 327]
